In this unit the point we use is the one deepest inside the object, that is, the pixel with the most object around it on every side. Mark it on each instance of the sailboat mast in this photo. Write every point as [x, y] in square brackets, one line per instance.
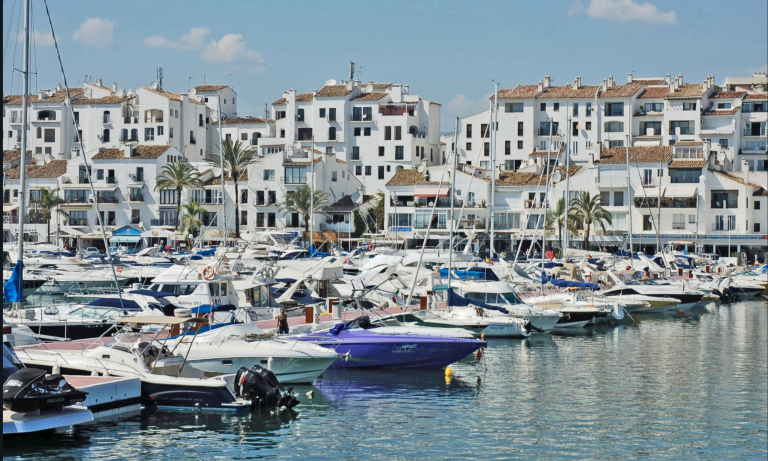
[24, 125]
[567, 188]
[494, 122]
[452, 196]
[223, 186]
[312, 196]
[629, 195]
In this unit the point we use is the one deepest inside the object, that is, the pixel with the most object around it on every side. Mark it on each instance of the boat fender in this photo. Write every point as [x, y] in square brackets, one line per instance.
[208, 272]
[479, 354]
[119, 269]
[371, 247]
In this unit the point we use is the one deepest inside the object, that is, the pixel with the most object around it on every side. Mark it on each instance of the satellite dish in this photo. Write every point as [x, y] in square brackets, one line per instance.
[330, 82]
[556, 176]
[420, 168]
[153, 85]
[369, 88]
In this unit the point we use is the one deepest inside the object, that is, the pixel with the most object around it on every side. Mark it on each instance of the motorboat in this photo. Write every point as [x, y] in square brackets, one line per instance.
[632, 283]
[167, 380]
[31, 389]
[359, 345]
[224, 348]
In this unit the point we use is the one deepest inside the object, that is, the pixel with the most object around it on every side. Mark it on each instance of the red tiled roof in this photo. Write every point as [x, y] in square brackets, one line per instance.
[101, 101]
[519, 92]
[52, 169]
[333, 91]
[209, 88]
[637, 154]
[530, 178]
[655, 92]
[138, 153]
[621, 91]
[730, 111]
[729, 94]
[681, 163]
[758, 96]
[243, 120]
[688, 91]
[563, 92]
[368, 97]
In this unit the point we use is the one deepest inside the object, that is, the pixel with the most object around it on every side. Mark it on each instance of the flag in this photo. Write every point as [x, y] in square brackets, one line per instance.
[13, 289]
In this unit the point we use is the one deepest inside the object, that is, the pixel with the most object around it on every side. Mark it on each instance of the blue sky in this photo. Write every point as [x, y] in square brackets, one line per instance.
[448, 51]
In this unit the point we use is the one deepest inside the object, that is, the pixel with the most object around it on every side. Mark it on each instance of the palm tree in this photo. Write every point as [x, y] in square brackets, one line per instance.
[300, 202]
[190, 222]
[589, 210]
[558, 218]
[237, 156]
[178, 176]
[48, 200]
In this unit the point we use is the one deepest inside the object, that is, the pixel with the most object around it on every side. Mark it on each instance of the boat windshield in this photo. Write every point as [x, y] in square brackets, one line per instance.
[95, 313]
[494, 298]
[124, 341]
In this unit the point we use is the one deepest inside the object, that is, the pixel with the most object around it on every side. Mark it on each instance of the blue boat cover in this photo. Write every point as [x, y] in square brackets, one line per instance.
[568, 284]
[115, 304]
[208, 252]
[463, 274]
[13, 289]
[314, 253]
[207, 308]
[455, 299]
[152, 293]
[549, 265]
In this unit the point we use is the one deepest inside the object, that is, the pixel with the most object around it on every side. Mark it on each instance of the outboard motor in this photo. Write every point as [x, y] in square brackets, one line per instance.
[262, 388]
[29, 390]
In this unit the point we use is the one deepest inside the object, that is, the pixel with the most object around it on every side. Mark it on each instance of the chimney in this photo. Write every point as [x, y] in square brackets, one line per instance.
[680, 77]
[630, 78]
[114, 87]
[577, 82]
[98, 81]
[128, 151]
[547, 81]
[610, 80]
[668, 78]
[351, 70]
[541, 86]
[605, 84]
[705, 84]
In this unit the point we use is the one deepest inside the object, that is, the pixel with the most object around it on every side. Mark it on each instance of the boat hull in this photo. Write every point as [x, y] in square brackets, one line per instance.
[287, 370]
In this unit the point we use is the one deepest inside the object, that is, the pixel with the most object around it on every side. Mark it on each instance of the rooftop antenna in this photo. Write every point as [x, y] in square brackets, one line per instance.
[360, 73]
[160, 78]
[204, 78]
[87, 78]
[266, 111]
[351, 70]
[189, 82]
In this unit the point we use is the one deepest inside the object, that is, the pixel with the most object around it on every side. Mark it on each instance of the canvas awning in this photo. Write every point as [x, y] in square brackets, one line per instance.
[125, 239]
[7, 208]
[440, 191]
[158, 234]
[655, 142]
[67, 231]
[216, 234]
[680, 191]
[94, 235]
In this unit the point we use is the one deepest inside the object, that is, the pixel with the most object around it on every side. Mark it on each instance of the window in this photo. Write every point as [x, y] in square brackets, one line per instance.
[485, 165]
[359, 170]
[614, 127]
[100, 174]
[243, 136]
[192, 139]
[367, 131]
[520, 128]
[469, 130]
[387, 133]
[135, 134]
[618, 198]
[334, 176]
[588, 126]
[618, 143]
[149, 134]
[332, 114]
[605, 198]
[39, 133]
[487, 149]
[282, 133]
[747, 107]
[653, 107]
[332, 133]
[689, 106]
[269, 175]
[574, 128]
[507, 147]
[647, 222]
[614, 109]
[723, 143]
[519, 144]
[685, 176]
[575, 147]
[160, 131]
[104, 135]
[484, 130]
[399, 153]
[77, 118]
[398, 133]
[381, 151]
[544, 128]
[757, 205]
[329, 150]
[650, 128]
[367, 170]
[469, 146]
[589, 109]
[543, 106]
[357, 131]
[724, 199]
[50, 135]
[355, 153]
[724, 105]
[678, 221]
[381, 172]
[556, 107]
[686, 127]
[200, 120]
[756, 227]
[513, 107]
[295, 175]
[322, 112]
[299, 115]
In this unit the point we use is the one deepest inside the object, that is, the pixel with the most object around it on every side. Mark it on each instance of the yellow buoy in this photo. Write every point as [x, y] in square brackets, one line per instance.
[448, 371]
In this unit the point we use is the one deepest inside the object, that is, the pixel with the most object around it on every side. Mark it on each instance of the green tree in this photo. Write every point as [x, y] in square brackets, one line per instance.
[47, 202]
[377, 211]
[177, 176]
[300, 202]
[190, 221]
[237, 156]
[589, 211]
[558, 219]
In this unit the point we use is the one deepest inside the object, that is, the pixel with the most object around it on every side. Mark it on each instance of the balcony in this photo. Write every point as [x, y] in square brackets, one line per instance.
[723, 226]
[162, 222]
[106, 120]
[611, 183]
[77, 200]
[78, 222]
[137, 178]
[135, 220]
[545, 132]
[650, 183]
[532, 204]
[192, 140]
[111, 180]
[135, 197]
[292, 181]
[107, 199]
[755, 147]
[255, 142]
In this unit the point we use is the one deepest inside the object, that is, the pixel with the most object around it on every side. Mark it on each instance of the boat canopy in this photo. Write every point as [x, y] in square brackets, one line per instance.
[567, 283]
[115, 303]
[207, 308]
[455, 299]
[160, 320]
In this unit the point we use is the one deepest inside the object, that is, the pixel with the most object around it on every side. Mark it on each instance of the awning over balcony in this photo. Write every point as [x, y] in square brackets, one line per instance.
[105, 186]
[7, 208]
[439, 191]
[158, 234]
[67, 231]
[680, 191]
[650, 142]
[125, 239]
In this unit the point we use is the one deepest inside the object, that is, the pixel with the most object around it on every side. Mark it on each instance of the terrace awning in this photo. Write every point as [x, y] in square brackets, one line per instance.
[125, 239]
[441, 191]
[680, 191]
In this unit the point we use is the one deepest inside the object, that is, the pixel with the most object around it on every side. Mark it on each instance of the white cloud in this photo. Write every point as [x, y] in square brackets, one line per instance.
[576, 9]
[97, 32]
[462, 106]
[192, 40]
[230, 49]
[629, 11]
[38, 38]
[624, 11]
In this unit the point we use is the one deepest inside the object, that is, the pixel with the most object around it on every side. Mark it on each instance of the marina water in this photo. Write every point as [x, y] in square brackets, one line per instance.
[671, 387]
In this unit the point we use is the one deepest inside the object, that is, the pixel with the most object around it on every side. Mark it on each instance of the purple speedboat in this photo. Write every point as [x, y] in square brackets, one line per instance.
[359, 345]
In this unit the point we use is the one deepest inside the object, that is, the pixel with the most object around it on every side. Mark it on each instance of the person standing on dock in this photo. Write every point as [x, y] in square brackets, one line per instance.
[282, 322]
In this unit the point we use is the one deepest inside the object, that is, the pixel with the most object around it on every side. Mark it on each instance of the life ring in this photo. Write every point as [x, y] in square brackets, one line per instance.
[119, 269]
[371, 247]
[208, 272]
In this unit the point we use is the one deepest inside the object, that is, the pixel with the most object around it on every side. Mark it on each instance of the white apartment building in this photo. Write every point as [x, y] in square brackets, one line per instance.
[377, 128]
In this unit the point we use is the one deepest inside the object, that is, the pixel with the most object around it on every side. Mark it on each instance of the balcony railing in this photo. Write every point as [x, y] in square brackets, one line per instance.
[255, 142]
[108, 199]
[611, 182]
[106, 120]
[136, 177]
[534, 204]
[545, 132]
[755, 146]
[136, 197]
[135, 220]
[78, 222]
[162, 222]
[76, 200]
[723, 226]
[111, 180]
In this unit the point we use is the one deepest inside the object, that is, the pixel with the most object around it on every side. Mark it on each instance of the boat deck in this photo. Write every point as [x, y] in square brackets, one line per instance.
[26, 423]
[345, 317]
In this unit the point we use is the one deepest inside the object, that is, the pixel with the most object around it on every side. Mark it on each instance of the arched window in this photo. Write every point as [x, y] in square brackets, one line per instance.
[255, 138]
[106, 116]
[134, 135]
[105, 135]
[200, 120]
[614, 127]
[124, 135]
